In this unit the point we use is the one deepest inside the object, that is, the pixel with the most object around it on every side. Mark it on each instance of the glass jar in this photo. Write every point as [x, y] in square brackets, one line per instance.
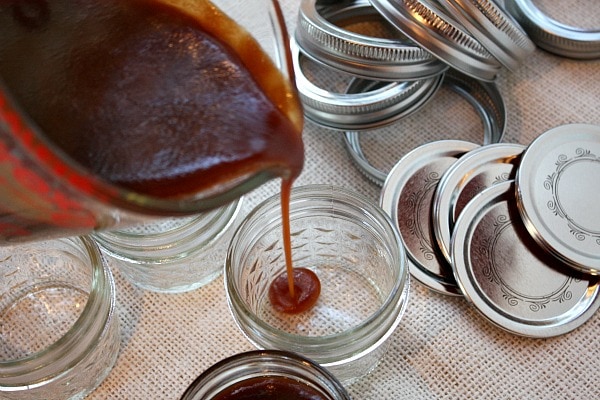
[352, 247]
[59, 334]
[175, 254]
[47, 194]
[266, 367]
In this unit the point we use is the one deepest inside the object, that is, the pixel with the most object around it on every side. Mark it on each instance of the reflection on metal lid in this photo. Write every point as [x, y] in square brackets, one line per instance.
[434, 29]
[320, 33]
[407, 196]
[496, 30]
[483, 96]
[558, 192]
[366, 104]
[509, 278]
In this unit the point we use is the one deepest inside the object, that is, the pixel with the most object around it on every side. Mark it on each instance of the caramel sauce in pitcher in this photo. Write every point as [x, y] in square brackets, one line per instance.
[165, 98]
[152, 98]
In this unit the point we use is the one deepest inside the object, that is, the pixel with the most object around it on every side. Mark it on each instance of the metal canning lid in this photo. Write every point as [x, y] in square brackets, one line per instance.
[366, 104]
[430, 26]
[509, 279]
[407, 196]
[483, 96]
[318, 33]
[474, 172]
[558, 189]
[495, 29]
[553, 36]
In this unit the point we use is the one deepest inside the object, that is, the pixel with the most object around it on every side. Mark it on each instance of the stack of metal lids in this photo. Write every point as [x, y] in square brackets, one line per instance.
[514, 229]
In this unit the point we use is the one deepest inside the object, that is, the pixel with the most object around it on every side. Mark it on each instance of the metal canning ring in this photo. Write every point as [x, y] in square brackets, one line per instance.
[318, 34]
[495, 29]
[366, 104]
[483, 96]
[427, 24]
[553, 36]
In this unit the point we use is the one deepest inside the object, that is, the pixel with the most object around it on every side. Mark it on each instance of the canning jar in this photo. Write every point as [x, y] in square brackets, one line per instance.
[173, 254]
[59, 334]
[272, 373]
[352, 247]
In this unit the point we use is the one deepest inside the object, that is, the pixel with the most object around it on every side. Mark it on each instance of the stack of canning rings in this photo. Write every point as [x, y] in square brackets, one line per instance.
[464, 43]
[461, 44]
[521, 251]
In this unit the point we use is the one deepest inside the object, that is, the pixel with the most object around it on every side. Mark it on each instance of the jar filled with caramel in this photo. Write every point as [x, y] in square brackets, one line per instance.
[266, 374]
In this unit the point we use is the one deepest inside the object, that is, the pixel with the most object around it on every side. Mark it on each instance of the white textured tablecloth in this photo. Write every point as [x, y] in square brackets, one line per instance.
[443, 349]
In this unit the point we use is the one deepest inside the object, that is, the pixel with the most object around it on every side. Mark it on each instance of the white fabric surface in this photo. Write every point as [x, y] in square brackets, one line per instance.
[443, 349]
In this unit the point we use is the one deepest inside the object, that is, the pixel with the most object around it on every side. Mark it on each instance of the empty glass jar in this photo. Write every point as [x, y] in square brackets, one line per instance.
[173, 254]
[59, 335]
[352, 247]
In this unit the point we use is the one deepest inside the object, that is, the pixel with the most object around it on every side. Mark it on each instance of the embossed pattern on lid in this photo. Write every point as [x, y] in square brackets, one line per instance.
[407, 196]
[470, 175]
[558, 189]
[509, 278]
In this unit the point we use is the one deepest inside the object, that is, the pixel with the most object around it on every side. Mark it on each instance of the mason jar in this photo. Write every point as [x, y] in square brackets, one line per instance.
[59, 334]
[351, 245]
[174, 254]
[268, 373]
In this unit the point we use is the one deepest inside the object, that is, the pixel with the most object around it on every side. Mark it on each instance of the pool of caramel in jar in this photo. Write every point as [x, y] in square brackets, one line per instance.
[165, 98]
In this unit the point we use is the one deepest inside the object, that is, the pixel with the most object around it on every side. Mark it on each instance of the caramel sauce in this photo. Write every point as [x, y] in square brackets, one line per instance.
[165, 98]
[305, 293]
[269, 388]
[303, 286]
[150, 96]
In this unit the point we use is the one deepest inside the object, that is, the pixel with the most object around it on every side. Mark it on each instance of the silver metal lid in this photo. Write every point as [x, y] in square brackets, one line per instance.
[558, 192]
[366, 104]
[509, 278]
[319, 34]
[474, 172]
[483, 96]
[430, 26]
[496, 30]
[407, 196]
[553, 36]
